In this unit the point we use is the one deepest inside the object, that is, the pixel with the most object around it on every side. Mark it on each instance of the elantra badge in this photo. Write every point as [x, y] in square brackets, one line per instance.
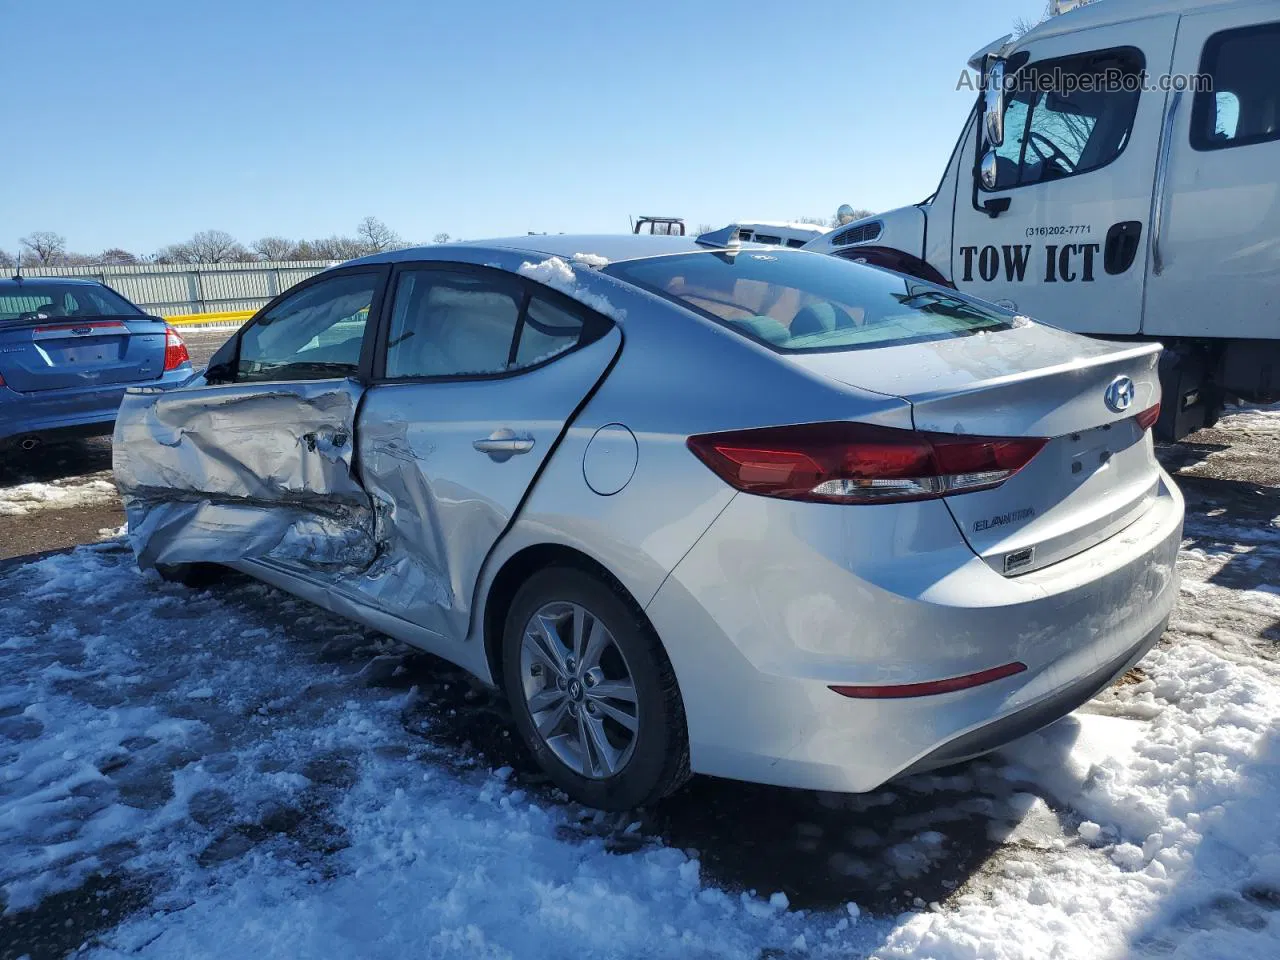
[1119, 394]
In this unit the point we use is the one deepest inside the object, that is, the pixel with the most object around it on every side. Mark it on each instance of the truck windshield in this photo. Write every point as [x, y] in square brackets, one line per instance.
[809, 302]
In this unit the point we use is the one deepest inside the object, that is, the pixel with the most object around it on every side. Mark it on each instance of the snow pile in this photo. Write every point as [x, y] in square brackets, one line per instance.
[24, 498]
[559, 275]
[592, 260]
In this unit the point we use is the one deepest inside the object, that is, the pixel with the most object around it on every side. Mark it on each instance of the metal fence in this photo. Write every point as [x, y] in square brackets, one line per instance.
[187, 288]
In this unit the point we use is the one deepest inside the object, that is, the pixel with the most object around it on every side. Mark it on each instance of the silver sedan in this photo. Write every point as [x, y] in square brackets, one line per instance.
[696, 506]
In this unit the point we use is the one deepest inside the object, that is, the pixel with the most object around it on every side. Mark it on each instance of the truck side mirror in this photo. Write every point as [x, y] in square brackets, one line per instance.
[989, 170]
[993, 104]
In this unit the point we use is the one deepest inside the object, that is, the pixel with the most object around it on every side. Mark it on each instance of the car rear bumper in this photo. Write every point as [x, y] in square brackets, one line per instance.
[776, 604]
[66, 414]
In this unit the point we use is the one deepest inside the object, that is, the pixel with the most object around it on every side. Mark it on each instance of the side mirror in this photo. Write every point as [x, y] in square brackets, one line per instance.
[993, 104]
[989, 170]
[844, 214]
[219, 373]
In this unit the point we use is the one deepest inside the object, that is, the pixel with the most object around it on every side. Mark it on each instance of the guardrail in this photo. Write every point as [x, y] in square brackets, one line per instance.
[229, 318]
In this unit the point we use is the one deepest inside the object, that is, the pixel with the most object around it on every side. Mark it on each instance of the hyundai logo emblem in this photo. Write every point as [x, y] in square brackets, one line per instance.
[1119, 395]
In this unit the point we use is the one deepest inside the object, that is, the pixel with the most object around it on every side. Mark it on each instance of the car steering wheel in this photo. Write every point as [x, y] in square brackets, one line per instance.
[1055, 154]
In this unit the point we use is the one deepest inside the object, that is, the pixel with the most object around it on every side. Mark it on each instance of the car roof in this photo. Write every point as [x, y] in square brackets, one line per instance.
[613, 247]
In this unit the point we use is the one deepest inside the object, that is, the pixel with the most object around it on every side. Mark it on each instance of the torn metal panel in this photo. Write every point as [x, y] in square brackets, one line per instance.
[246, 471]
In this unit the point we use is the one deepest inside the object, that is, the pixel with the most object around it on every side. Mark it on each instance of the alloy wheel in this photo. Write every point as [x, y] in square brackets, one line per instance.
[579, 690]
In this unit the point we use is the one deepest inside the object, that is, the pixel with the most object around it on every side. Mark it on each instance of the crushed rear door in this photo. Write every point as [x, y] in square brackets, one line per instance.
[58, 354]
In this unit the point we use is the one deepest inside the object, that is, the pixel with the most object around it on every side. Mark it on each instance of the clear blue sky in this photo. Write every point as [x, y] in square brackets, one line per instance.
[138, 123]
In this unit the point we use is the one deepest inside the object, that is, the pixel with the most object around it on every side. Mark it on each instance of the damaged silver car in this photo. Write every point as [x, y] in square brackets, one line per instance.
[695, 505]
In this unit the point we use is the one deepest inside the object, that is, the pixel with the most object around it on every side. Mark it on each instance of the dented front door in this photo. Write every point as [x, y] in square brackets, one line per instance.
[255, 459]
[236, 472]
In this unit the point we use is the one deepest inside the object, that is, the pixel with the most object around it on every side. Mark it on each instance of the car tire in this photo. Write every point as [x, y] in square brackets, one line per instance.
[196, 575]
[627, 768]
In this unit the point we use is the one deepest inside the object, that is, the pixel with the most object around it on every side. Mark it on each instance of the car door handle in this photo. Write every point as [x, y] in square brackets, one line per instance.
[503, 444]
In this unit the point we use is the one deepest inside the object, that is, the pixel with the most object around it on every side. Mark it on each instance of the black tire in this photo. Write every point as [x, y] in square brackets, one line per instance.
[659, 761]
[195, 575]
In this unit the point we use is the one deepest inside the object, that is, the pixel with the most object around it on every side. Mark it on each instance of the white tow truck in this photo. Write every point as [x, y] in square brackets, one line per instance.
[1119, 176]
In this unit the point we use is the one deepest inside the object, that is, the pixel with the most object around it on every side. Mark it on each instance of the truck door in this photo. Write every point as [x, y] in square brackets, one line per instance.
[1062, 234]
[1214, 260]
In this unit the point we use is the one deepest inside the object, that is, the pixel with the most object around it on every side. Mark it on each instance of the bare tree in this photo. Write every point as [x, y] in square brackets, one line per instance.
[704, 228]
[45, 246]
[331, 248]
[441, 238]
[207, 246]
[820, 221]
[115, 256]
[376, 235]
[7, 259]
[215, 246]
[274, 248]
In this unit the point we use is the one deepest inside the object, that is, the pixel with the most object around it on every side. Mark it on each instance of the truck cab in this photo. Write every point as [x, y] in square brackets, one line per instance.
[1117, 176]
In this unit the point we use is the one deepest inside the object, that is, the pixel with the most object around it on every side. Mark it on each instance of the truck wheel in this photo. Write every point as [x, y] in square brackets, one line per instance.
[592, 691]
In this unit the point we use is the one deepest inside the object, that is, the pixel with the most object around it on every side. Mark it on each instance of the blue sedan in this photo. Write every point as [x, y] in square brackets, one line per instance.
[68, 350]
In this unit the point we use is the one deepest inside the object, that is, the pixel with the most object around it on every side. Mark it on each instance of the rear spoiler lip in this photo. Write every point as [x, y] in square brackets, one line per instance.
[1134, 352]
[15, 323]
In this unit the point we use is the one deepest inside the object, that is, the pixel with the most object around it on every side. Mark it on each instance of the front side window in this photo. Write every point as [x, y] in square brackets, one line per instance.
[1242, 106]
[805, 302]
[1067, 117]
[313, 334]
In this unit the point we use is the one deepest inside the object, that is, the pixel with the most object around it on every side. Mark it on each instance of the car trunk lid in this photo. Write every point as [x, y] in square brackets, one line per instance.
[1096, 474]
[61, 353]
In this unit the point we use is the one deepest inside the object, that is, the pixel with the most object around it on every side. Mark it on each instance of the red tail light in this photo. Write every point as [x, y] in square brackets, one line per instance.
[1147, 418]
[860, 463]
[175, 350]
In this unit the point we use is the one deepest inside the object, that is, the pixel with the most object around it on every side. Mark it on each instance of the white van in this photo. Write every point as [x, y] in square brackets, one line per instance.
[1146, 207]
[779, 233]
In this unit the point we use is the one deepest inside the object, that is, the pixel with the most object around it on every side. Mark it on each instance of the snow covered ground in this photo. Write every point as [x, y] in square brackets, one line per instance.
[61, 494]
[230, 772]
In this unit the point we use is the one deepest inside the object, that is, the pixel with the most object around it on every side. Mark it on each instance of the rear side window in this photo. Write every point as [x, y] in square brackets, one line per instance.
[808, 302]
[450, 324]
[1243, 105]
[469, 323]
[548, 331]
[1050, 134]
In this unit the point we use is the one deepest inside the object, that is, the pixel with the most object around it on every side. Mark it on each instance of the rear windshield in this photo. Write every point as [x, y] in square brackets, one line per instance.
[809, 302]
[36, 300]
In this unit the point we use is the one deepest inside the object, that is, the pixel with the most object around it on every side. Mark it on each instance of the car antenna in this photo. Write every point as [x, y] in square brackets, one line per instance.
[18, 269]
[726, 238]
